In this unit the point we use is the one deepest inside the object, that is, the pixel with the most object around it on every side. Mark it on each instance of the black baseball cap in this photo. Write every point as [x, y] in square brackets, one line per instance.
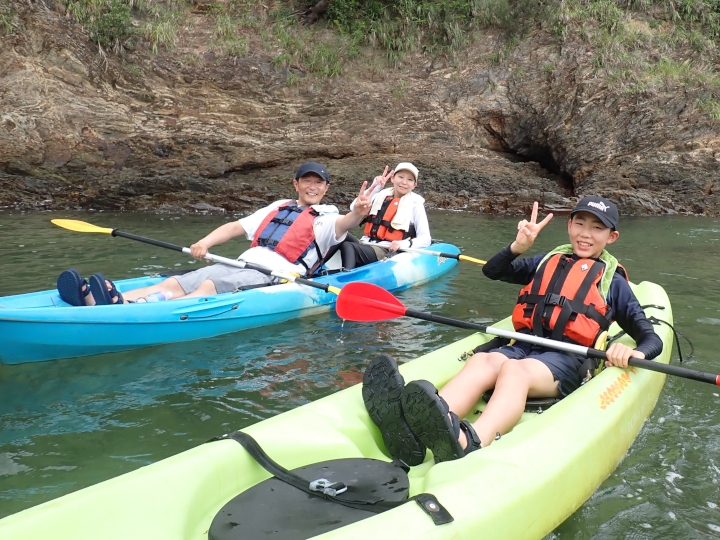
[600, 207]
[313, 167]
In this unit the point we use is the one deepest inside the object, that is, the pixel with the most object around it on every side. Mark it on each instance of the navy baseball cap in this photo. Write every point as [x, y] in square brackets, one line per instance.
[600, 207]
[313, 167]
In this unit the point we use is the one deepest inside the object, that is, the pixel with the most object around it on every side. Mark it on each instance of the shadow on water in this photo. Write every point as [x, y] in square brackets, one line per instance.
[71, 423]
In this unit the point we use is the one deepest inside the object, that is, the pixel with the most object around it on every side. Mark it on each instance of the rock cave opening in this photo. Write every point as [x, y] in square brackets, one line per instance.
[543, 156]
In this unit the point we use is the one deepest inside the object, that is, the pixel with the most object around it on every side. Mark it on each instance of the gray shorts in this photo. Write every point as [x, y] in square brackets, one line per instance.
[225, 277]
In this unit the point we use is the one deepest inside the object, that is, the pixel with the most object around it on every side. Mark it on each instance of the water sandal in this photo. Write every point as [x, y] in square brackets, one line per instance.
[429, 416]
[473, 441]
[382, 390]
[102, 296]
[70, 286]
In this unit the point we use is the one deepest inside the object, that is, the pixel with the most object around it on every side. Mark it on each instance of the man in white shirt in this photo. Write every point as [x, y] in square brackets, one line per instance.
[303, 230]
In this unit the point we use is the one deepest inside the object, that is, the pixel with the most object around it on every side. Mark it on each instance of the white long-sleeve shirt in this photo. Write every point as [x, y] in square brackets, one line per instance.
[419, 220]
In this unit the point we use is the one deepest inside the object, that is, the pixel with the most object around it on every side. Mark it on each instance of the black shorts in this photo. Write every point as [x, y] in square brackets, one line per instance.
[565, 367]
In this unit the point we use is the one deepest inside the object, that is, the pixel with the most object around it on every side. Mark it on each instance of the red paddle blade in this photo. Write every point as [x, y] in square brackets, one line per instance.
[366, 302]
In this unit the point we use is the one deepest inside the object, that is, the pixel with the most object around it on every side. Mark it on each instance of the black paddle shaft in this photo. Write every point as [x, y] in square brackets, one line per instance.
[159, 243]
[116, 232]
[677, 371]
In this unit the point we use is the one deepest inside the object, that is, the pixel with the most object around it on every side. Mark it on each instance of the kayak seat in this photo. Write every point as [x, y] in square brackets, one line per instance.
[532, 405]
[345, 259]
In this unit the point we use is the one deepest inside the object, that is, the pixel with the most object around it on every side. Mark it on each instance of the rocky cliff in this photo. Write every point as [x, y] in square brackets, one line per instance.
[78, 129]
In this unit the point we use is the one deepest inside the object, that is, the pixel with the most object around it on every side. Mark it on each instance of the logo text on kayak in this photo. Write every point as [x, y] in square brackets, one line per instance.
[613, 391]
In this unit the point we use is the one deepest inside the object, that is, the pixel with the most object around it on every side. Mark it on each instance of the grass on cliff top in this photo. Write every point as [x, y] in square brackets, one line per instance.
[656, 46]
[637, 46]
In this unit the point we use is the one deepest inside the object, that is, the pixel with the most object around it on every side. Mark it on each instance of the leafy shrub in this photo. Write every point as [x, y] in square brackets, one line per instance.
[112, 27]
[7, 19]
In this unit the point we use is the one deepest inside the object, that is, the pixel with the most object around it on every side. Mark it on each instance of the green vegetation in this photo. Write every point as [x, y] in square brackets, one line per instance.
[163, 22]
[636, 46]
[135, 70]
[7, 20]
[108, 22]
[711, 106]
[116, 24]
[656, 45]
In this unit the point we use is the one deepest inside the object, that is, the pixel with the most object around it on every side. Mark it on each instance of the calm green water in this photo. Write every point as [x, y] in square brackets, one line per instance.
[71, 423]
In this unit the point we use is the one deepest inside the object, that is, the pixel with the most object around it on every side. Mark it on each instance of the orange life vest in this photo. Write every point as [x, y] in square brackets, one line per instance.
[379, 227]
[288, 230]
[563, 301]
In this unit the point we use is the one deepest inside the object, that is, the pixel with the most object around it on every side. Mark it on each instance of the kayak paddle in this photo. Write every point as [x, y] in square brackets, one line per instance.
[81, 226]
[367, 302]
[445, 255]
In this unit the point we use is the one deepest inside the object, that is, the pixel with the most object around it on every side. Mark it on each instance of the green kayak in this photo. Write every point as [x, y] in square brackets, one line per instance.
[523, 486]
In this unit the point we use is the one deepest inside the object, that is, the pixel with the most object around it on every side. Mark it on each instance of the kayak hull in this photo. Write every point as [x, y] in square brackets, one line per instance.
[40, 326]
[521, 487]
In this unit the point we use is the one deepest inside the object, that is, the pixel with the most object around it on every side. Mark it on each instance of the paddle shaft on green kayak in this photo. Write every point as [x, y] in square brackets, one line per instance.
[568, 347]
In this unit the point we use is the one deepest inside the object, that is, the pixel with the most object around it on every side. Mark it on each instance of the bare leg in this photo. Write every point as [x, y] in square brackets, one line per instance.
[170, 285]
[206, 288]
[477, 377]
[517, 380]
[89, 299]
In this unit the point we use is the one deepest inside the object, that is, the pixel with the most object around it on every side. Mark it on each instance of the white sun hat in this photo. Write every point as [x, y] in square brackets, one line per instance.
[405, 166]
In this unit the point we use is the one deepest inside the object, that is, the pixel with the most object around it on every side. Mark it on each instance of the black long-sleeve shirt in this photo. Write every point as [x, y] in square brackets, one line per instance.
[505, 266]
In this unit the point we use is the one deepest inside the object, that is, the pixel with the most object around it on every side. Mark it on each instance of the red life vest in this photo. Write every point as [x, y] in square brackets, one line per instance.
[564, 301]
[379, 227]
[288, 230]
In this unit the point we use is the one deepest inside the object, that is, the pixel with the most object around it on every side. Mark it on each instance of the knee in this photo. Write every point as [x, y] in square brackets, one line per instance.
[172, 285]
[512, 371]
[484, 361]
[207, 287]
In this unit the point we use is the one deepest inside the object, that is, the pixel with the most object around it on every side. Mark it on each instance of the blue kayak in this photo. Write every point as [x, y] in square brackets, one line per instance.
[41, 326]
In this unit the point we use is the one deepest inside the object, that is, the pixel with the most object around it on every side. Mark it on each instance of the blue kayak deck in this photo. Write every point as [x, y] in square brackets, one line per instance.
[41, 326]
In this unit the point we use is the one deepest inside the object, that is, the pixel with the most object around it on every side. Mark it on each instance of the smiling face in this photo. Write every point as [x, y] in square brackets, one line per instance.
[403, 183]
[310, 188]
[589, 235]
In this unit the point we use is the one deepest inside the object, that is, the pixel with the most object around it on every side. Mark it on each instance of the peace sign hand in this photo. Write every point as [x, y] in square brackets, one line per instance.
[363, 201]
[528, 231]
[382, 179]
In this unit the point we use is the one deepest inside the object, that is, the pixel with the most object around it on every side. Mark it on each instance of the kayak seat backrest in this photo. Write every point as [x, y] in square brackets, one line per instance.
[334, 261]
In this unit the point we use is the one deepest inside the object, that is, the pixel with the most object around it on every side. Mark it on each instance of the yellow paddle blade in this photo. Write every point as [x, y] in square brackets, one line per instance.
[80, 226]
[470, 259]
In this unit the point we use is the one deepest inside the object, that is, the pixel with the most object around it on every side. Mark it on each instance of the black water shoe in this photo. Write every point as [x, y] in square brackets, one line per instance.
[382, 390]
[430, 418]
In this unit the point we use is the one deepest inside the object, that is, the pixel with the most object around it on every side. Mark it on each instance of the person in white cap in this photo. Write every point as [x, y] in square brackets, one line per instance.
[397, 219]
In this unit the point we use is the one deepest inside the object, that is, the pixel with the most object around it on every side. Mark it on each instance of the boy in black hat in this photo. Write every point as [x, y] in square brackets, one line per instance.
[571, 294]
[288, 235]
